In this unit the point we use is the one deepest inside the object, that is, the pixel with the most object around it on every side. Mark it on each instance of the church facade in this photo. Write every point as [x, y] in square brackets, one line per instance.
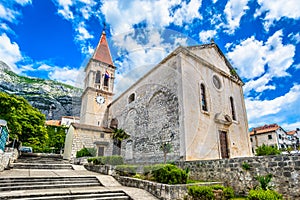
[192, 102]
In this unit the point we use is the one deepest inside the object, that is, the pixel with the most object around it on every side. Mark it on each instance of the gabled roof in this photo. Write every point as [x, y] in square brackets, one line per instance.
[221, 54]
[264, 129]
[186, 51]
[102, 52]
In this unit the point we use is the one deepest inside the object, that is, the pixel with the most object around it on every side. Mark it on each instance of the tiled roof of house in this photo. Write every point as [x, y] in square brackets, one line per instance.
[53, 122]
[291, 132]
[264, 129]
[102, 52]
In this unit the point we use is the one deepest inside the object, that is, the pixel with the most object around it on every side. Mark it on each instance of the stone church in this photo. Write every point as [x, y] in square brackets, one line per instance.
[192, 100]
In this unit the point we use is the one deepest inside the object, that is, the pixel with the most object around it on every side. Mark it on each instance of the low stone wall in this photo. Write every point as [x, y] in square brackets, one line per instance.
[284, 168]
[161, 191]
[6, 158]
[102, 169]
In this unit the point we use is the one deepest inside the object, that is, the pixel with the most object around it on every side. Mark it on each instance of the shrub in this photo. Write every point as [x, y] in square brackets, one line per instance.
[267, 150]
[170, 174]
[217, 187]
[113, 160]
[264, 181]
[149, 169]
[126, 170]
[107, 160]
[139, 176]
[84, 152]
[201, 192]
[245, 166]
[228, 193]
[261, 194]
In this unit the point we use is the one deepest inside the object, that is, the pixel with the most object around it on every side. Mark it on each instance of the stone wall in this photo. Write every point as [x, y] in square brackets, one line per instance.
[152, 116]
[161, 191]
[284, 168]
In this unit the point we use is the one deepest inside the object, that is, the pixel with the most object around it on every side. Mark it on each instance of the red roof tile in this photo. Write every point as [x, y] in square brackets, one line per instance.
[264, 129]
[102, 52]
[52, 122]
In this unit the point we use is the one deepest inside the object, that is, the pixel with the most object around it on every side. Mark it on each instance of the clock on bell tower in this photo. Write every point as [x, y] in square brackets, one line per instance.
[98, 86]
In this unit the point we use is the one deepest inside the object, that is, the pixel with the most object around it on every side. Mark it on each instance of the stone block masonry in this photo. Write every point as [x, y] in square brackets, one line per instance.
[284, 168]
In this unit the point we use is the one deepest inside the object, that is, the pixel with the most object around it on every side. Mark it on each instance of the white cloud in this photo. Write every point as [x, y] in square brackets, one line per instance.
[188, 12]
[8, 14]
[24, 2]
[44, 67]
[67, 75]
[297, 66]
[279, 56]
[206, 36]
[234, 10]
[257, 109]
[249, 58]
[252, 56]
[122, 16]
[276, 9]
[64, 9]
[290, 126]
[259, 85]
[295, 37]
[82, 33]
[9, 52]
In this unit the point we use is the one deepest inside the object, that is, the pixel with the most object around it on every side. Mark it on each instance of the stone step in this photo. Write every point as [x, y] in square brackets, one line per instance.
[33, 183]
[101, 195]
[41, 166]
[63, 178]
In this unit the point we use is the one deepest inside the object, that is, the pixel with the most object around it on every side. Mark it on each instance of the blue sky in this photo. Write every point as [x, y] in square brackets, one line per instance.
[53, 39]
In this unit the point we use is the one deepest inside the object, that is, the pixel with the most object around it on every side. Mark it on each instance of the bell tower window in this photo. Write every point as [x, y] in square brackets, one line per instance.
[98, 77]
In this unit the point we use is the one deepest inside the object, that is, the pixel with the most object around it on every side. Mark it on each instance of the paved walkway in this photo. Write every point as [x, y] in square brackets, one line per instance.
[108, 182]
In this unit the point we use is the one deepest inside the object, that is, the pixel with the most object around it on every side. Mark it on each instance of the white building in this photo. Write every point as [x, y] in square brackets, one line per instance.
[273, 135]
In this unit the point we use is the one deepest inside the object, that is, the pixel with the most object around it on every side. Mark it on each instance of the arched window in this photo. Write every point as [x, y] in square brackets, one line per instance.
[233, 114]
[203, 97]
[98, 77]
[131, 98]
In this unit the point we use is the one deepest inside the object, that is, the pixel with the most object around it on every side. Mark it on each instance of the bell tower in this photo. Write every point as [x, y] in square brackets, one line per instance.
[98, 85]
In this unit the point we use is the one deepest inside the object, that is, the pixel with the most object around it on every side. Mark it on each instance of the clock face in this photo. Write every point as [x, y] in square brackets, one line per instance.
[100, 99]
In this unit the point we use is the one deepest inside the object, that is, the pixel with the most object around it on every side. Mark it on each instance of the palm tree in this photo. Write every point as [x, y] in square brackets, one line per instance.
[118, 136]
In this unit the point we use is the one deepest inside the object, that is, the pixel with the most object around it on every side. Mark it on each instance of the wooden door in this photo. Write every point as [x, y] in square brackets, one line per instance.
[224, 144]
[100, 151]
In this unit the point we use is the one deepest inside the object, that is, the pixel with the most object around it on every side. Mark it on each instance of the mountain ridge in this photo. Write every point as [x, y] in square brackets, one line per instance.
[52, 98]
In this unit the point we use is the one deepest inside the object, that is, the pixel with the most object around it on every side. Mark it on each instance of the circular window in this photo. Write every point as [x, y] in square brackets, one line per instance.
[217, 82]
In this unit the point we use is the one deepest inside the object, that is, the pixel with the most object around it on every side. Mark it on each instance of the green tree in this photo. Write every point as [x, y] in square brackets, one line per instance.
[56, 138]
[118, 136]
[166, 148]
[25, 122]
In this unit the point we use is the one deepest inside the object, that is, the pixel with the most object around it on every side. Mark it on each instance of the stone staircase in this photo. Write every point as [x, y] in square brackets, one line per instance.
[48, 177]
[100, 195]
[34, 183]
